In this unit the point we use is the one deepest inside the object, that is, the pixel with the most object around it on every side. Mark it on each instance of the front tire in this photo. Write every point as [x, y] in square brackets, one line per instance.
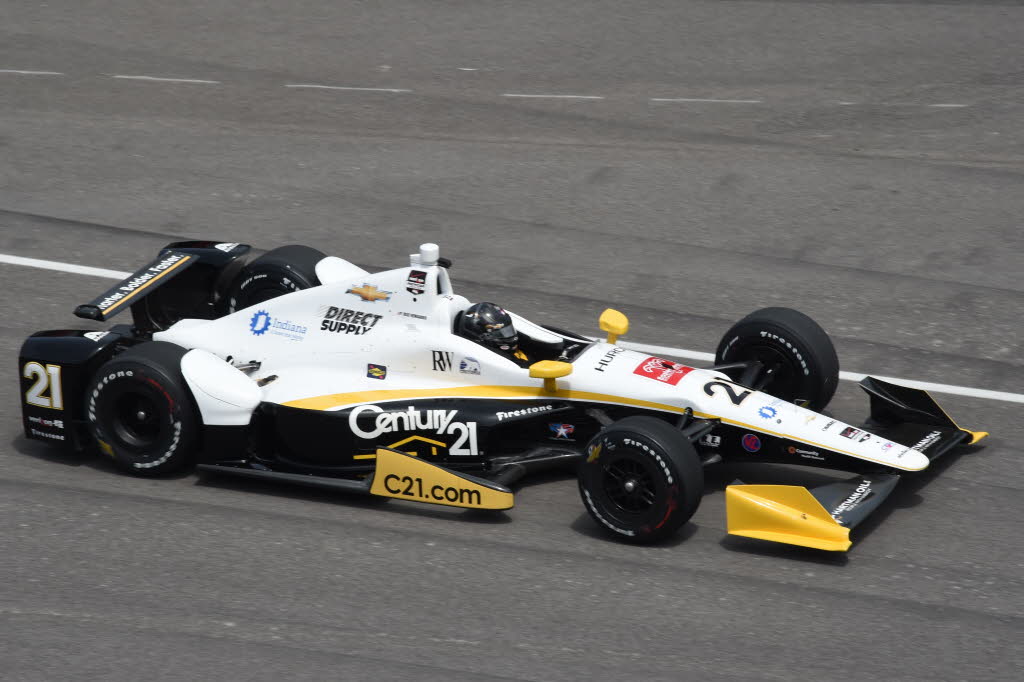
[140, 411]
[641, 480]
[797, 354]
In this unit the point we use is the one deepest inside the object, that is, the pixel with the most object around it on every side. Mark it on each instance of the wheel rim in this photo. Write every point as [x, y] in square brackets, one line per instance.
[629, 485]
[779, 376]
[136, 420]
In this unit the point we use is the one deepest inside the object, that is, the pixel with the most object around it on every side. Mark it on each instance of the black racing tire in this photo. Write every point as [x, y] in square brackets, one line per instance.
[804, 361]
[641, 479]
[140, 411]
[277, 272]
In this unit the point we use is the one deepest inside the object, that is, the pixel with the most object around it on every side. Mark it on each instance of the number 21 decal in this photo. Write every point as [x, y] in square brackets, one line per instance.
[730, 390]
[45, 390]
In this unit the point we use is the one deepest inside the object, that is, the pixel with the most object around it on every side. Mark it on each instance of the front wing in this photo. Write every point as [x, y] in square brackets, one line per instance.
[822, 517]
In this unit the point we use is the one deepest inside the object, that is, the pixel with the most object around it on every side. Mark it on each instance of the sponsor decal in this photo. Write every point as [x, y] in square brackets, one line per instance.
[806, 454]
[141, 280]
[809, 418]
[887, 446]
[926, 441]
[855, 498]
[348, 321]
[94, 336]
[50, 423]
[750, 442]
[863, 439]
[417, 282]
[438, 422]
[412, 486]
[376, 371]
[562, 431]
[468, 365]
[418, 317]
[502, 416]
[442, 360]
[607, 358]
[593, 452]
[850, 432]
[226, 247]
[45, 434]
[711, 441]
[261, 322]
[767, 412]
[665, 371]
[828, 426]
[370, 293]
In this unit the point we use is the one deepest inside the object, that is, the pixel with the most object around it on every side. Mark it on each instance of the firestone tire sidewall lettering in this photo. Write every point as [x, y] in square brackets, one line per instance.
[280, 271]
[123, 382]
[676, 488]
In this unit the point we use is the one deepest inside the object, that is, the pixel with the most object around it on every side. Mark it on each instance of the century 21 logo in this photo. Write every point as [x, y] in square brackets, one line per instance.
[442, 360]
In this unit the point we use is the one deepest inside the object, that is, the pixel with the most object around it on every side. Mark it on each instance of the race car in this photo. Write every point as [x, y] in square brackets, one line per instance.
[295, 366]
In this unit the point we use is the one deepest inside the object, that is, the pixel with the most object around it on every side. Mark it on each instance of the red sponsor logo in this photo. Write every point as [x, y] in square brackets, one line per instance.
[662, 370]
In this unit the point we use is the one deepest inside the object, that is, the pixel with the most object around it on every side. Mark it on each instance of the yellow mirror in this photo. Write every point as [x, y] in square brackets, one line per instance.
[615, 323]
[549, 370]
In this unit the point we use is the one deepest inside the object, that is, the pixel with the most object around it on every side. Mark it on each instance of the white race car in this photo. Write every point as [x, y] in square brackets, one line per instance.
[296, 366]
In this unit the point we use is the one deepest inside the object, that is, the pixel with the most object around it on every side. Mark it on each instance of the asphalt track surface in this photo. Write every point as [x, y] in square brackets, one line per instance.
[860, 161]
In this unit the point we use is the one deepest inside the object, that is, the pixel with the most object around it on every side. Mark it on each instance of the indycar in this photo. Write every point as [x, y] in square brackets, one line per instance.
[295, 366]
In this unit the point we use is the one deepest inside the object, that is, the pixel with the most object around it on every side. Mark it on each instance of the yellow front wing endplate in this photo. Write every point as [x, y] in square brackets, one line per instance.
[783, 513]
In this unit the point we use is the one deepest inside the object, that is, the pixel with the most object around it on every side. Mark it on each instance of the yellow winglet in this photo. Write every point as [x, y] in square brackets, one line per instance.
[783, 513]
[976, 436]
[409, 478]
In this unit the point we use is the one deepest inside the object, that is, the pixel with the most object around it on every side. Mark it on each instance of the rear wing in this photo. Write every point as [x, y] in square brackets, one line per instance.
[141, 283]
[204, 287]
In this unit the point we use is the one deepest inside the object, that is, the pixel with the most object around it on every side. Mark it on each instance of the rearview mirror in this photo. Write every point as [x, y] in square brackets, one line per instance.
[549, 370]
[613, 322]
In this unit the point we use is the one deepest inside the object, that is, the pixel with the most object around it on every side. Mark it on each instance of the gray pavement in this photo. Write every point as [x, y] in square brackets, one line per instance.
[867, 171]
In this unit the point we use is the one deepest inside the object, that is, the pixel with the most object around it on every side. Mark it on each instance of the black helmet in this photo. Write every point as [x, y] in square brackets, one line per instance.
[489, 325]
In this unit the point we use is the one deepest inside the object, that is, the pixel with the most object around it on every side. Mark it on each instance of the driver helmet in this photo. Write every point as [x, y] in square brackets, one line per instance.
[490, 326]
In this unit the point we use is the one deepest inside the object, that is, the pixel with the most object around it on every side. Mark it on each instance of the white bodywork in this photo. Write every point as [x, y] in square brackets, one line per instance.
[320, 344]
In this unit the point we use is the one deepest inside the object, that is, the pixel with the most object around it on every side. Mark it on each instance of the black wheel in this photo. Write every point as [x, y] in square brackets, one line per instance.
[641, 480]
[277, 272]
[798, 361]
[140, 410]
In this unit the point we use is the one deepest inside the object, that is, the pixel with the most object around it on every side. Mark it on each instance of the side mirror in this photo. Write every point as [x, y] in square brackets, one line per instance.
[549, 370]
[613, 322]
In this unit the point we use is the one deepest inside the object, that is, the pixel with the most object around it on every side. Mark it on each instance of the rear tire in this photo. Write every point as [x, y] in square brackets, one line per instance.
[140, 411]
[804, 364]
[277, 272]
[642, 479]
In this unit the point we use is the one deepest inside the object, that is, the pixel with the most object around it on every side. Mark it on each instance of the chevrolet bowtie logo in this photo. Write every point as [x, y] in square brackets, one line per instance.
[368, 292]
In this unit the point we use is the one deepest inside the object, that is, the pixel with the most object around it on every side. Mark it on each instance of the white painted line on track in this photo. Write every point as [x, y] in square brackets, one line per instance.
[21, 72]
[647, 348]
[62, 267]
[157, 79]
[949, 106]
[708, 101]
[315, 86]
[530, 96]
